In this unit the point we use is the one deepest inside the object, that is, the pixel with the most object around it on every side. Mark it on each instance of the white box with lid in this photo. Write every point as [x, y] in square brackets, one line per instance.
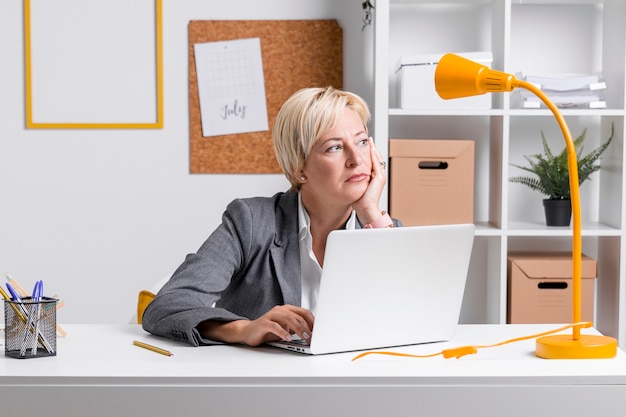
[417, 83]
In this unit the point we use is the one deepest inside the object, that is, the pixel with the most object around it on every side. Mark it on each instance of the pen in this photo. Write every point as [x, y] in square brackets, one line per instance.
[13, 306]
[39, 290]
[21, 291]
[37, 294]
[14, 294]
[18, 308]
[33, 320]
[152, 348]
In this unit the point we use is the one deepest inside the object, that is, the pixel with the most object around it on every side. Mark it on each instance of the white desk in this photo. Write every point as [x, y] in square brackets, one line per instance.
[99, 372]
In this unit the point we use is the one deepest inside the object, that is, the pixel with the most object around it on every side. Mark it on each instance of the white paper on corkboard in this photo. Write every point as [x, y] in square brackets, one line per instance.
[231, 87]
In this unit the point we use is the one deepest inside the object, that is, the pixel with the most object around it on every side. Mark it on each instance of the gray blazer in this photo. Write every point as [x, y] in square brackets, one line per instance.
[248, 265]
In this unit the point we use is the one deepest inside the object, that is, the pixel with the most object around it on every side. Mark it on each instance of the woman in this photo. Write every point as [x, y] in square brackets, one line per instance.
[256, 278]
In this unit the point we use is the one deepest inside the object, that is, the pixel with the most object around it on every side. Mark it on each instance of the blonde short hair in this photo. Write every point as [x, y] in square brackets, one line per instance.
[304, 118]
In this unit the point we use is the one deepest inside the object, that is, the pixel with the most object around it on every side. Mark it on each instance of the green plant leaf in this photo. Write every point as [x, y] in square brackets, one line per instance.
[551, 172]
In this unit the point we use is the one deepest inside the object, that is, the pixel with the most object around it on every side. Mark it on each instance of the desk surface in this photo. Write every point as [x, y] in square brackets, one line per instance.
[103, 359]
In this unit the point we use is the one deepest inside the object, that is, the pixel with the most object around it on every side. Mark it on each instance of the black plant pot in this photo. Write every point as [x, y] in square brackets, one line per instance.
[558, 212]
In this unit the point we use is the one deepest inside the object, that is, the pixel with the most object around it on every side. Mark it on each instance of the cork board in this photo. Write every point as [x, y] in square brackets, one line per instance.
[296, 54]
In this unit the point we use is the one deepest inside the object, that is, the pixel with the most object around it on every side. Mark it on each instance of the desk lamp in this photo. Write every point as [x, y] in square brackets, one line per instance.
[457, 77]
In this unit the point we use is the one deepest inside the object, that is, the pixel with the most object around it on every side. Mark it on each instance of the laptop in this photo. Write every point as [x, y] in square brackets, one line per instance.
[389, 287]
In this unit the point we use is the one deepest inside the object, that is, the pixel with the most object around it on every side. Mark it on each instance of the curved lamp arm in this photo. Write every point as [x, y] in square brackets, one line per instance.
[574, 186]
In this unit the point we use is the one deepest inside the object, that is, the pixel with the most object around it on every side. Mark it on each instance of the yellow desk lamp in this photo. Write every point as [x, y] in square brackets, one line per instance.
[457, 77]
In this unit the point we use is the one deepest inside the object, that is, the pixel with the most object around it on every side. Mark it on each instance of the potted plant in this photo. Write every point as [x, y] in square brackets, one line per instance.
[551, 176]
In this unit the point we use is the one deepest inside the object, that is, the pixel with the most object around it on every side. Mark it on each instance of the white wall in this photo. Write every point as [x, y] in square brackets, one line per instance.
[101, 214]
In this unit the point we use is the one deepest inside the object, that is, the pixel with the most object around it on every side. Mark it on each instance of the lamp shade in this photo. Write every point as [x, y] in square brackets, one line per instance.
[457, 77]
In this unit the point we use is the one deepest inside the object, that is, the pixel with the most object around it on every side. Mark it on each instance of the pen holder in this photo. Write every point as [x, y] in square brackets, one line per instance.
[30, 328]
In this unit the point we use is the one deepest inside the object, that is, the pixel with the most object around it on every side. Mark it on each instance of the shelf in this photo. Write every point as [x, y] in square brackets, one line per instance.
[509, 112]
[567, 112]
[535, 229]
[534, 36]
[539, 229]
[443, 112]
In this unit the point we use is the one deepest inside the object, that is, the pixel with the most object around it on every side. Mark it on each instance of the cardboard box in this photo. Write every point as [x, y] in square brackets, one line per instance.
[431, 181]
[540, 287]
[417, 83]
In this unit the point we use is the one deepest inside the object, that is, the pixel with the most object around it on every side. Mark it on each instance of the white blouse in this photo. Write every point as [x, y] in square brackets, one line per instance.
[311, 271]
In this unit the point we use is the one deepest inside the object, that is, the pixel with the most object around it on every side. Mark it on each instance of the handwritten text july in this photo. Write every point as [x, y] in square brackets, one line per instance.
[236, 110]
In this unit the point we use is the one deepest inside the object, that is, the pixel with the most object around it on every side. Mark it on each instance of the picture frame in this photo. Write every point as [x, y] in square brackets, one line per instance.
[99, 68]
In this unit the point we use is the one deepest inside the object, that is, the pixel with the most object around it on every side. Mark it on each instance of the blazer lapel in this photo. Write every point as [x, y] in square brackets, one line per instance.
[285, 253]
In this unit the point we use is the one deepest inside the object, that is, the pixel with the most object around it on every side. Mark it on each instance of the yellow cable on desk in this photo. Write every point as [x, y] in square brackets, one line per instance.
[472, 349]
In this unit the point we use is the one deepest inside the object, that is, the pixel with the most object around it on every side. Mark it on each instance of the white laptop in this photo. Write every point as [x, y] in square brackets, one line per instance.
[389, 287]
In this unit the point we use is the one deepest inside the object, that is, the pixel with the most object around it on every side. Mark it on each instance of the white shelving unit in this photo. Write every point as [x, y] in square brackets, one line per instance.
[534, 36]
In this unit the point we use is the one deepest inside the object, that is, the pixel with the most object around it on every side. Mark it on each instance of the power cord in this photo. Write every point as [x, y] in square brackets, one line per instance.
[461, 351]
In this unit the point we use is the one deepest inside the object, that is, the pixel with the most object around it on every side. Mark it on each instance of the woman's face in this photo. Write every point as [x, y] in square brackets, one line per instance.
[339, 165]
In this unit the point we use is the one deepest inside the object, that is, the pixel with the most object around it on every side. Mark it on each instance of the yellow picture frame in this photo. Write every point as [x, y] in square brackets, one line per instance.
[28, 56]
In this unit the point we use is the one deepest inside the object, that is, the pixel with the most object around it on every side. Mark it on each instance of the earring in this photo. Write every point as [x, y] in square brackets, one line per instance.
[303, 178]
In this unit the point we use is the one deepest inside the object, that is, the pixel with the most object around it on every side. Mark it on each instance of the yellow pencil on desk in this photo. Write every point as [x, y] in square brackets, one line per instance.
[152, 348]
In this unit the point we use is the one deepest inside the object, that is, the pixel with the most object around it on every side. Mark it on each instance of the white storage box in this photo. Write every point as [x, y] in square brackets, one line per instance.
[417, 83]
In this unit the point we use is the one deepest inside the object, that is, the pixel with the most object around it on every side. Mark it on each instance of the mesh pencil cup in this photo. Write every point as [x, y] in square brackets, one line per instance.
[30, 328]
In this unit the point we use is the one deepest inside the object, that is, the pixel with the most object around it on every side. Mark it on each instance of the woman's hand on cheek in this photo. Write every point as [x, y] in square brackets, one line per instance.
[367, 207]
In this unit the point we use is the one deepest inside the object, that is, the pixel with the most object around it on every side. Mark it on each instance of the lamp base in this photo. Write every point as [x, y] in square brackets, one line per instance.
[566, 347]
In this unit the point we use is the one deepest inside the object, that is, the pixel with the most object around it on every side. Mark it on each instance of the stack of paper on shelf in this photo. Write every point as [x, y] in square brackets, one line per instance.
[564, 90]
